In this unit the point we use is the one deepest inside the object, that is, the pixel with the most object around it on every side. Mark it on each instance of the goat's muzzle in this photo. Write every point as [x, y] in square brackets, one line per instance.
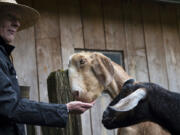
[75, 94]
[108, 118]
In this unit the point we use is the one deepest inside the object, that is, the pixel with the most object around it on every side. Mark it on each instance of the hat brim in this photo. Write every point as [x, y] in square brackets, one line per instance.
[29, 16]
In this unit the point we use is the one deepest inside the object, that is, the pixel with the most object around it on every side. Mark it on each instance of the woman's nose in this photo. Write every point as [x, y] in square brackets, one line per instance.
[16, 23]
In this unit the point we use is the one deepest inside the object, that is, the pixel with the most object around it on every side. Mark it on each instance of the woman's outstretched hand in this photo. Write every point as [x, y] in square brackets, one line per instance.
[78, 107]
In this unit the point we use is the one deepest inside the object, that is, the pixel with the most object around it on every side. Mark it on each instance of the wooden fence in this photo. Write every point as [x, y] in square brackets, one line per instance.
[59, 92]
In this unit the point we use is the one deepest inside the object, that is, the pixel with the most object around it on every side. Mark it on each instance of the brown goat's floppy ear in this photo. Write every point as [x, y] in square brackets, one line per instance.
[130, 102]
[102, 68]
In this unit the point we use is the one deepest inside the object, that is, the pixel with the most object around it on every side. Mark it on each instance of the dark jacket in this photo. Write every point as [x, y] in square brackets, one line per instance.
[16, 111]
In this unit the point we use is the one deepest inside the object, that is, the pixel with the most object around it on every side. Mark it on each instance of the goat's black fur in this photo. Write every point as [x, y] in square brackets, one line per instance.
[160, 106]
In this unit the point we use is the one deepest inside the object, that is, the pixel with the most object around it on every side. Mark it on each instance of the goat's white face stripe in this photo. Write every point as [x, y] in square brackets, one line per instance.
[76, 80]
[131, 101]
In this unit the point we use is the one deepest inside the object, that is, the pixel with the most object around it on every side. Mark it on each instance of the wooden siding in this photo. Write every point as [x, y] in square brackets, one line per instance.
[148, 33]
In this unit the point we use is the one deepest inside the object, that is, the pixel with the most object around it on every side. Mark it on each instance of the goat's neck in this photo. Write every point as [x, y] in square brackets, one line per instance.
[120, 77]
[165, 108]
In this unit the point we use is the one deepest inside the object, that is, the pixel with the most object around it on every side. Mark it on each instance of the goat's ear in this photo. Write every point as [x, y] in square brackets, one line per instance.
[102, 68]
[130, 102]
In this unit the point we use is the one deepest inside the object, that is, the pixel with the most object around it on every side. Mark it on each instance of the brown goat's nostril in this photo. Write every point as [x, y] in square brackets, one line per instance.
[75, 93]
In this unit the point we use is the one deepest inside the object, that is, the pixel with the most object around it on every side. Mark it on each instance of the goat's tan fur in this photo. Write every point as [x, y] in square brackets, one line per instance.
[91, 73]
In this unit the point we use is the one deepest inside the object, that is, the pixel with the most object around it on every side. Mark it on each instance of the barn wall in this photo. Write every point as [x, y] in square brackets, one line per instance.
[146, 32]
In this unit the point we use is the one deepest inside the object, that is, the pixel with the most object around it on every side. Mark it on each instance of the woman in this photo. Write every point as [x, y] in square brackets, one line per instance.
[14, 111]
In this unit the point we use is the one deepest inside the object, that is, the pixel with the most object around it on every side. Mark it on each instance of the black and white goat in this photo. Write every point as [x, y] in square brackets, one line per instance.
[139, 102]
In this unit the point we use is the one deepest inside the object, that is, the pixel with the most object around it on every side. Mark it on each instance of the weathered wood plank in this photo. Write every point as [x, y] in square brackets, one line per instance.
[154, 44]
[136, 50]
[96, 116]
[25, 93]
[172, 45]
[137, 56]
[178, 57]
[114, 27]
[86, 123]
[25, 61]
[97, 112]
[92, 19]
[155, 53]
[136, 53]
[47, 43]
[59, 92]
[70, 28]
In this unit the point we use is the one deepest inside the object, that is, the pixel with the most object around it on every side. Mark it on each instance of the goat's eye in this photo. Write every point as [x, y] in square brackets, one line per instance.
[82, 61]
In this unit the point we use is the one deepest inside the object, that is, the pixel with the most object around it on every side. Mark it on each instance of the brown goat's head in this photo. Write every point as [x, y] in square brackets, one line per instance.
[89, 74]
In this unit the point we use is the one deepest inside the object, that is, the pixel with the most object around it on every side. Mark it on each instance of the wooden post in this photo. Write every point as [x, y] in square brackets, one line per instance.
[59, 92]
[24, 91]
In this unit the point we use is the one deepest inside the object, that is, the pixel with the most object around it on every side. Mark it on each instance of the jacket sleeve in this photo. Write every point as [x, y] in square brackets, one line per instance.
[26, 111]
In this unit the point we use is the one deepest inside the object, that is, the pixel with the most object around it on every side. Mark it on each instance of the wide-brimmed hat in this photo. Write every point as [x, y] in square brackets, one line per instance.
[28, 15]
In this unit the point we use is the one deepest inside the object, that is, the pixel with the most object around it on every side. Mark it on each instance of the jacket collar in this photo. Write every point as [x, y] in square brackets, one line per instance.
[6, 47]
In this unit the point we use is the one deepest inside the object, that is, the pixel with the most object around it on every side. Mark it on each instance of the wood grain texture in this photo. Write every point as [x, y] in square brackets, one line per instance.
[154, 44]
[59, 92]
[70, 28]
[86, 123]
[92, 19]
[114, 27]
[136, 50]
[172, 45]
[96, 115]
[47, 43]
[137, 60]
[25, 61]
[178, 22]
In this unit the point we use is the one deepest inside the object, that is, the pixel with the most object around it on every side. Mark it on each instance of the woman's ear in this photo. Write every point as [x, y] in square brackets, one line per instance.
[102, 68]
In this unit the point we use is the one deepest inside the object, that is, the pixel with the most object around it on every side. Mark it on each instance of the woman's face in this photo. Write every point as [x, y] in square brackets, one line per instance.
[9, 24]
